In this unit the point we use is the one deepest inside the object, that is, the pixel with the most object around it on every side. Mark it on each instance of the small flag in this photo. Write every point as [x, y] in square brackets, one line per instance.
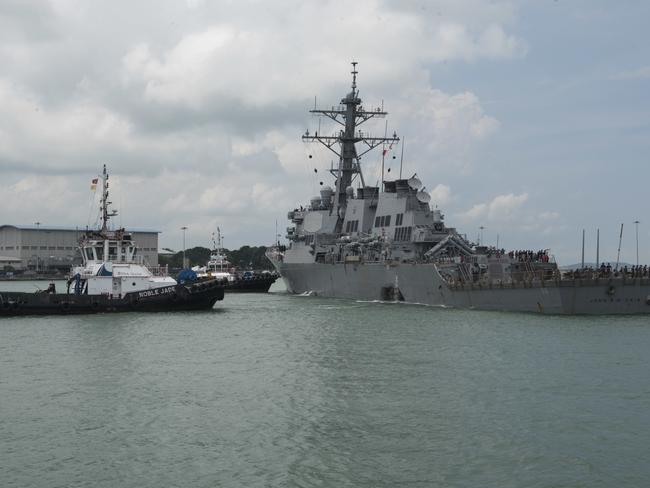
[385, 151]
[93, 184]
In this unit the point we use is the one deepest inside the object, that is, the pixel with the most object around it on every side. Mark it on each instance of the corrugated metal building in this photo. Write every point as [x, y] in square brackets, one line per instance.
[44, 246]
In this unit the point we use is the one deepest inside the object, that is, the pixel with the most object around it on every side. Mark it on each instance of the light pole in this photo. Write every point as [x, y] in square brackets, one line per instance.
[184, 228]
[636, 223]
[38, 226]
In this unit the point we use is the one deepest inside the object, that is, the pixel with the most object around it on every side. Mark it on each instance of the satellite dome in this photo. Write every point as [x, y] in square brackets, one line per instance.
[414, 183]
[423, 197]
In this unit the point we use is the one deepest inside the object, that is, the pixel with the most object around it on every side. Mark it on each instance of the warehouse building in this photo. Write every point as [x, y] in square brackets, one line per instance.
[43, 247]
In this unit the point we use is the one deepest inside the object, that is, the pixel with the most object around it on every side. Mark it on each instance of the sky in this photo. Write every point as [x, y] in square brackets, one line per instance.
[528, 118]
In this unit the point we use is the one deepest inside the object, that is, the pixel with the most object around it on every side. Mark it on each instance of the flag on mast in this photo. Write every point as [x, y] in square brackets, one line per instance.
[93, 184]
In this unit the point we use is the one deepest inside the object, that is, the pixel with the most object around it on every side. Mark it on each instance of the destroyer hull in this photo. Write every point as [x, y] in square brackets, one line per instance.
[199, 296]
[421, 283]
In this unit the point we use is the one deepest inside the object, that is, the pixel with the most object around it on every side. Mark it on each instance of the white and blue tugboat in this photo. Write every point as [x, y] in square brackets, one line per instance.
[113, 277]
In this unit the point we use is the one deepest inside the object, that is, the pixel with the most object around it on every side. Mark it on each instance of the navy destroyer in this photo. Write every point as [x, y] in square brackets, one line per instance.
[387, 243]
[113, 277]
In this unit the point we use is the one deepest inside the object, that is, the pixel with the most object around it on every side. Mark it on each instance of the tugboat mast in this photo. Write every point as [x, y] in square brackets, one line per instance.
[350, 114]
[106, 213]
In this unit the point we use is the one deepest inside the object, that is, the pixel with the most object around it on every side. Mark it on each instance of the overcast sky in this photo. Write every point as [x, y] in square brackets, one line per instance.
[530, 118]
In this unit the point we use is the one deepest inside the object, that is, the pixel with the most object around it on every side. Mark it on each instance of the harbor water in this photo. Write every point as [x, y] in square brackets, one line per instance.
[274, 390]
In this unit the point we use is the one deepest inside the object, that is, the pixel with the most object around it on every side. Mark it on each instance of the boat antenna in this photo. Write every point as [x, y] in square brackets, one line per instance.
[582, 262]
[106, 213]
[618, 255]
[597, 247]
[383, 155]
[119, 187]
[401, 160]
[349, 115]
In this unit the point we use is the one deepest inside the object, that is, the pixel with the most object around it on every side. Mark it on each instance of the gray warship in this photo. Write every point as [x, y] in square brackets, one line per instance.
[387, 243]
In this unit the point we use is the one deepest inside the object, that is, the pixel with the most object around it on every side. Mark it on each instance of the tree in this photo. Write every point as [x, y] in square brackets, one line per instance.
[245, 257]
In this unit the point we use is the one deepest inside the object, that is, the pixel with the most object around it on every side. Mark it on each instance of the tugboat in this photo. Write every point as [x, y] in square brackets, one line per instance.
[113, 278]
[218, 267]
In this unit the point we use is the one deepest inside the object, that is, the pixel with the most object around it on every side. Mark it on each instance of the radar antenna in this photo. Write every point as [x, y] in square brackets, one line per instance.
[105, 203]
[350, 114]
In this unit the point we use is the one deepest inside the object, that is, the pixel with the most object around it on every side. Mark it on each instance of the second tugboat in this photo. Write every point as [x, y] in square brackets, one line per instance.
[250, 281]
[113, 278]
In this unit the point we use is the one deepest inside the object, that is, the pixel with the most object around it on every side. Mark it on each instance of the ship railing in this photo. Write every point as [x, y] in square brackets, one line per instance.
[115, 258]
[159, 270]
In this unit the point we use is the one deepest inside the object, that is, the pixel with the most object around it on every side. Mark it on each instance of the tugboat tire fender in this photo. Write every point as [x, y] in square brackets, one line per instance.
[65, 306]
[94, 305]
[6, 305]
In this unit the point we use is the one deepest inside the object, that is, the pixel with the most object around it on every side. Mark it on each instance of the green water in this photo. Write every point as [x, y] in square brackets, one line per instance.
[278, 390]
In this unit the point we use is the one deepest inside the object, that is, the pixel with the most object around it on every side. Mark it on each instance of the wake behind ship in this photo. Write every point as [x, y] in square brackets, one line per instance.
[387, 243]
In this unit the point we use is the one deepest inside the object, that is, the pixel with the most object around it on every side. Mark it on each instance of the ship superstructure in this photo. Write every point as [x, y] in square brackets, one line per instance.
[110, 260]
[387, 243]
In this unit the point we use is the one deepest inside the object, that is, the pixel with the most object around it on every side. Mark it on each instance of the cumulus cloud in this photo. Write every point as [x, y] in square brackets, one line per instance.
[440, 195]
[501, 208]
[202, 104]
[642, 73]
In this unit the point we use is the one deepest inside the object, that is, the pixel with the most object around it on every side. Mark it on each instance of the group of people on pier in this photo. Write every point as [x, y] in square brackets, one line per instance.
[540, 256]
[607, 271]
[629, 272]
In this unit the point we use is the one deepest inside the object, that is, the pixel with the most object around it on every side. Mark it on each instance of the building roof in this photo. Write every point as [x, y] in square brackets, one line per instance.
[9, 259]
[73, 229]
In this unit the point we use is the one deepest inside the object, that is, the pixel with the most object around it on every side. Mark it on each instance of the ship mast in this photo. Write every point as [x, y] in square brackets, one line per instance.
[350, 114]
[106, 213]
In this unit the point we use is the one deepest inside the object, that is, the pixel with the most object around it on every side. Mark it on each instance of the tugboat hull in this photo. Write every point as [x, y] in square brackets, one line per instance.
[196, 296]
[259, 283]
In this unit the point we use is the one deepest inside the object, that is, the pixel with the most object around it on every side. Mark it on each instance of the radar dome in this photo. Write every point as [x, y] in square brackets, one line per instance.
[423, 197]
[414, 183]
